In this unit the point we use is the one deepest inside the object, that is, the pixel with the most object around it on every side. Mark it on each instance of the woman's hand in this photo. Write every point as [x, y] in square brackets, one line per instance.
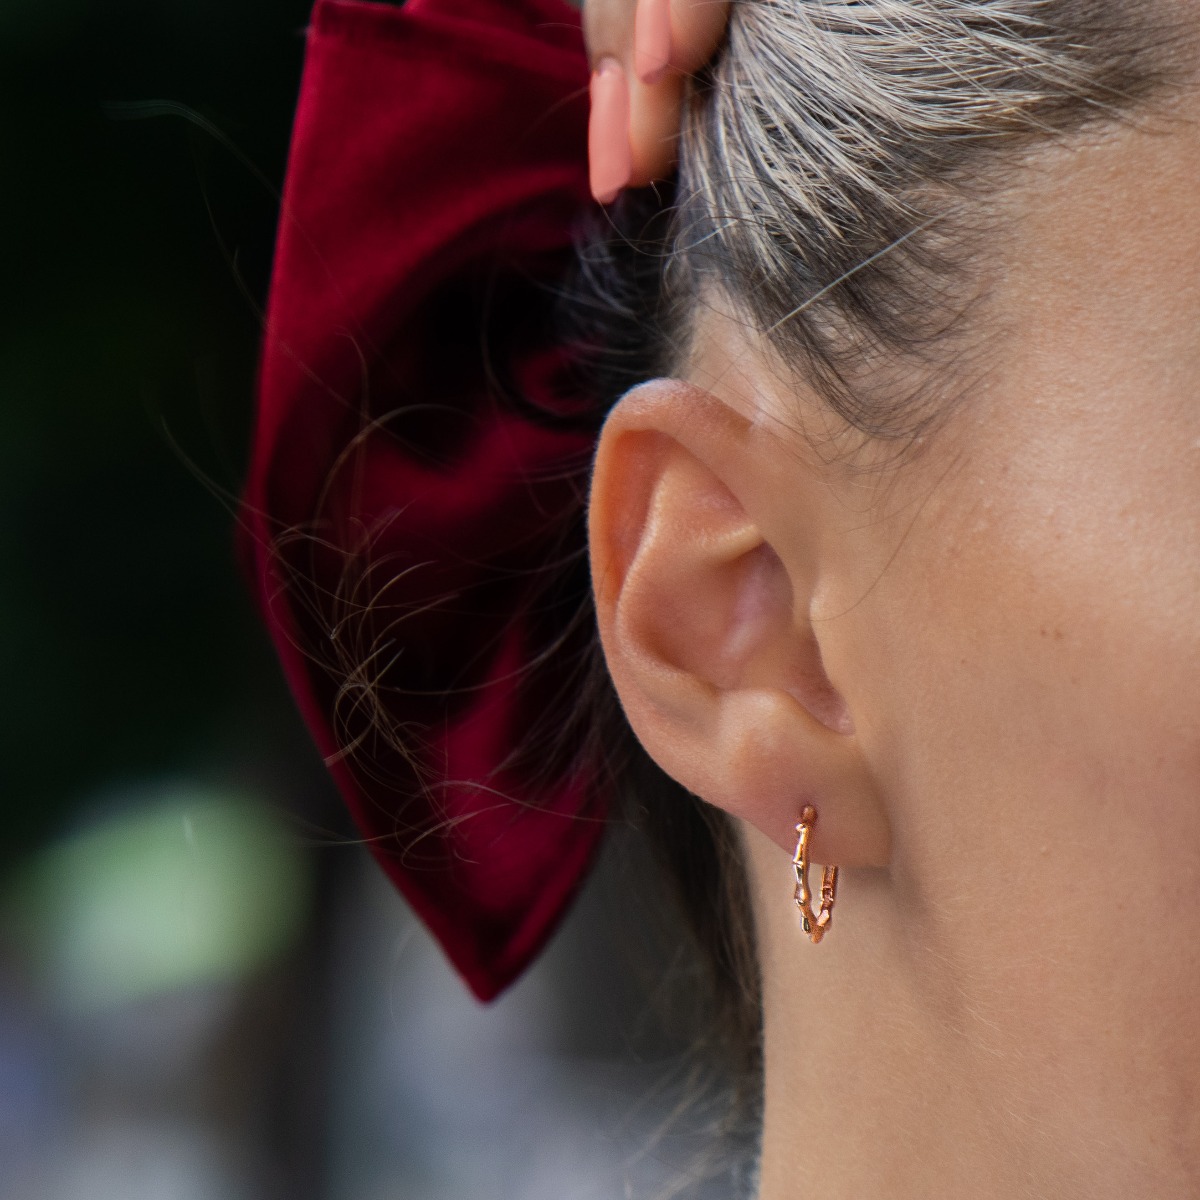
[641, 51]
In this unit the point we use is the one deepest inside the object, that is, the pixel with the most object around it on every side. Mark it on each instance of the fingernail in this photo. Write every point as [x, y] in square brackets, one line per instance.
[651, 39]
[610, 160]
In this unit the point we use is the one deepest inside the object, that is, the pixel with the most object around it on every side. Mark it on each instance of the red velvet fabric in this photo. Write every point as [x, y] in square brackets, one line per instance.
[420, 455]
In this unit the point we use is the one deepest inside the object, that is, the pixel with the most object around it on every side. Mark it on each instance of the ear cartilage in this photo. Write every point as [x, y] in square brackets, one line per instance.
[815, 924]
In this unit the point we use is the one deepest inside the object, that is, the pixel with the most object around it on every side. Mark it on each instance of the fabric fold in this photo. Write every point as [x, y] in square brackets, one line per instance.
[421, 455]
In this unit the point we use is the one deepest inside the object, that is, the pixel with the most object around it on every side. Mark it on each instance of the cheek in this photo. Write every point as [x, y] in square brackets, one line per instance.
[1042, 614]
[1059, 563]
[1035, 720]
[1043, 611]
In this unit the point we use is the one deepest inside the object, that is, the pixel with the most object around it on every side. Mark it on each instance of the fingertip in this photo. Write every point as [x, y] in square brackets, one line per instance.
[610, 157]
[655, 116]
[651, 39]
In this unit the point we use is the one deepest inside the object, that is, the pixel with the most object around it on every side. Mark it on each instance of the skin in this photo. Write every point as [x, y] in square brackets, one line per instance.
[981, 663]
[654, 107]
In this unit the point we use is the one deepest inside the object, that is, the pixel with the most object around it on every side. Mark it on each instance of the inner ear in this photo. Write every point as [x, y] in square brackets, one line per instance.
[695, 586]
[815, 690]
[771, 644]
[725, 610]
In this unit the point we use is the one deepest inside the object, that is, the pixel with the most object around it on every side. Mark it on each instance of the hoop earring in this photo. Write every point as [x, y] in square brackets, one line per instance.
[815, 925]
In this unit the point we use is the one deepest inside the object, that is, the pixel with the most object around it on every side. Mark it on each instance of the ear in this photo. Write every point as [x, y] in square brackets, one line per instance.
[705, 566]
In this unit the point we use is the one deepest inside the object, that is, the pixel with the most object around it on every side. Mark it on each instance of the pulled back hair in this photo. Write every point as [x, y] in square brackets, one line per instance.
[839, 166]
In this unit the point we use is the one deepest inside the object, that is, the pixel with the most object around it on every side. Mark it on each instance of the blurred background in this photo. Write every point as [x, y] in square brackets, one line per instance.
[206, 991]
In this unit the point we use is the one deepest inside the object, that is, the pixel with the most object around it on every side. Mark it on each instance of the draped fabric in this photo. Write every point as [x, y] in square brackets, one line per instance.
[421, 455]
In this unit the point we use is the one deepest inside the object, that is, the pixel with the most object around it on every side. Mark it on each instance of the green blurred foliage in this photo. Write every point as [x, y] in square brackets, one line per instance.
[134, 258]
[188, 887]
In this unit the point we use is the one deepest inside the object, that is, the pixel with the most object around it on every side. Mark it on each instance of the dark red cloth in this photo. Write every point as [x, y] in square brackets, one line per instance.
[420, 456]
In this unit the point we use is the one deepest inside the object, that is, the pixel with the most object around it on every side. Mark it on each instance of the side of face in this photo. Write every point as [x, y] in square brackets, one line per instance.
[981, 663]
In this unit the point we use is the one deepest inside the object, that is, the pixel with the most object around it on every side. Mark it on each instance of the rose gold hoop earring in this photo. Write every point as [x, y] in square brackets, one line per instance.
[815, 925]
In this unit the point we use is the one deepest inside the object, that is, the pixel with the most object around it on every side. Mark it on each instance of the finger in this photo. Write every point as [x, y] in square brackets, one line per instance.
[632, 130]
[608, 30]
[654, 120]
[697, 27]
[652, 39]
[640, 53]
[634, 126]
[610, 148]
[684, 32]
[676, 35]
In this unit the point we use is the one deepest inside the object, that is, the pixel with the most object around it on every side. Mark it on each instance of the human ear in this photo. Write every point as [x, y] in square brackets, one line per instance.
[704, 574]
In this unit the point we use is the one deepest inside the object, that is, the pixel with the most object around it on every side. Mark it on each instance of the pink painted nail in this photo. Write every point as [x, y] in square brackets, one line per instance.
[610, 159]
[651, 39]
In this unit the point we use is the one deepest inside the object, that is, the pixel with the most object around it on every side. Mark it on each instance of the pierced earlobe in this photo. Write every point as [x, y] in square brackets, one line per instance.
[815, 925]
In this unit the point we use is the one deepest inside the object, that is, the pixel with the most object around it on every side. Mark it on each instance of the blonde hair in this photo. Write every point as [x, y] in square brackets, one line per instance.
[838, 158]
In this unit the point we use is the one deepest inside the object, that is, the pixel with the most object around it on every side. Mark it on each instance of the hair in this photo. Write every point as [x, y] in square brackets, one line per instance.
[839, 167]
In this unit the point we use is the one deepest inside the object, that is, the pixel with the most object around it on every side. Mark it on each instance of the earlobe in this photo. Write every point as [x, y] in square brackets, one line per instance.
[703, 586]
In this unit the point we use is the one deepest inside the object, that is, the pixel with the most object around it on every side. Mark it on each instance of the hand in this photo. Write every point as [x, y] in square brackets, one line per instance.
[641, 51]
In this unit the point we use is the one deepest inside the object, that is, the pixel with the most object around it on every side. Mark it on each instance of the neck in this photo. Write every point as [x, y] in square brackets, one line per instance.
[896, 1068]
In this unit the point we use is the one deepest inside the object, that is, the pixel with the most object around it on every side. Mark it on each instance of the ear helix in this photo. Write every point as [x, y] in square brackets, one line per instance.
[815, 924]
